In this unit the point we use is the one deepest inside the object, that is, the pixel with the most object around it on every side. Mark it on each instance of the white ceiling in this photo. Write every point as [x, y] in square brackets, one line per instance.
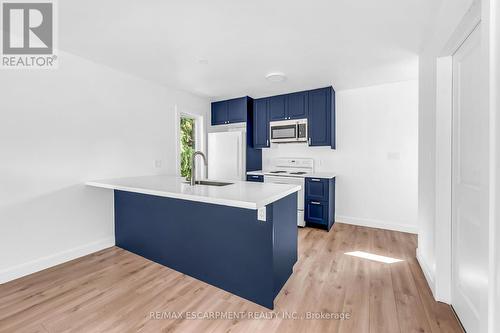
[345, 43]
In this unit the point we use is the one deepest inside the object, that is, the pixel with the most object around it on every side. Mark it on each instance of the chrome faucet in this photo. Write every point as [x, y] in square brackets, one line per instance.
[193, 165]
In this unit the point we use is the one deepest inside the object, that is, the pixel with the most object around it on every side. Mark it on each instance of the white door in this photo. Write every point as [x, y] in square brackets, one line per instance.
[469, 185]
[226, 155]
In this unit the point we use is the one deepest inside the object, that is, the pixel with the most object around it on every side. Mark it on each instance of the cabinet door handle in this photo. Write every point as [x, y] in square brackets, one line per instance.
[315, 203]
[255, 176]
[315, 180]
[309, 141]
[267, 142]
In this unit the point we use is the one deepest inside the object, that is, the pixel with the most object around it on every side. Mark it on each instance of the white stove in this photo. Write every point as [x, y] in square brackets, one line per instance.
[291, 171]
[287, 173]
[291, 167]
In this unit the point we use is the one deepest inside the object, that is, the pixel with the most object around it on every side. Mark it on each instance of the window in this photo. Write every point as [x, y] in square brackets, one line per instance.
[189, 137]
[187, 144]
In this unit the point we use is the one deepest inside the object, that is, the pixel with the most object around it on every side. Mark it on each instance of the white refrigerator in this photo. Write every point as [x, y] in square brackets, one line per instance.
[226, 155]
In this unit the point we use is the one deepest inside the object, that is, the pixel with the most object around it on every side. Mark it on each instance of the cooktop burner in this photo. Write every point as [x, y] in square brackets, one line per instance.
[298, 173]
[277, 171]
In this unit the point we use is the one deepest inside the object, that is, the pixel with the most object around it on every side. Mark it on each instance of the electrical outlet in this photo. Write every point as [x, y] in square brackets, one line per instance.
[158, 164]
[261, 214]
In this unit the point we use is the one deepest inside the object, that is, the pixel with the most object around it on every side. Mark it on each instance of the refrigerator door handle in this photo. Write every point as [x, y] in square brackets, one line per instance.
[238, 157]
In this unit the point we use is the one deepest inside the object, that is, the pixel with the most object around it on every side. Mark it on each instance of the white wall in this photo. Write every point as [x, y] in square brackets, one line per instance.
[61, 128]
[376, 156]
[426, 166]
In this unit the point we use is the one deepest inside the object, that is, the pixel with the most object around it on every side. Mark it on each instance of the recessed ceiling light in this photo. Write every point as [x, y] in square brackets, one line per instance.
[276, 77]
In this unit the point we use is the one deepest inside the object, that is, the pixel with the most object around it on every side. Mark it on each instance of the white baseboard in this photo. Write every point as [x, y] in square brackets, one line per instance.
[33, 266]
[427, 272]
[376, 224]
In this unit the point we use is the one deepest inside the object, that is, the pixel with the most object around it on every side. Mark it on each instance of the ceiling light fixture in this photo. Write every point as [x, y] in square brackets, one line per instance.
[276, 77]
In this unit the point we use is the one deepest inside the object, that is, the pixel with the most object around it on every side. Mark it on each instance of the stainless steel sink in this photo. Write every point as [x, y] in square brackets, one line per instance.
[212, 183]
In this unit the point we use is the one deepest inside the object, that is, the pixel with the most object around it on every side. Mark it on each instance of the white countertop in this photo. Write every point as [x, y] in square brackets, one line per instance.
[325, 175]
[258, 173]
[240, 194]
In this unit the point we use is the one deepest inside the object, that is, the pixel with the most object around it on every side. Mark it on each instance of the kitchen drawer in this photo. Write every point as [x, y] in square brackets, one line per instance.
[317, 189]
[255, 178]
[316, 212]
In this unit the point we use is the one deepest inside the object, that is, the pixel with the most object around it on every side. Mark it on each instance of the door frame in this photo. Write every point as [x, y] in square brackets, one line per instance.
[443, 173]
[444, 130]
[494, 232]
[479, 13]
[464, 189]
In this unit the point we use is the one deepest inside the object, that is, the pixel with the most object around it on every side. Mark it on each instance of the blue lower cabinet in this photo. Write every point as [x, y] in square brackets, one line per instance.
[319, 202]
[234, 251]
[317, 212]
[317, 189]
[255, 178]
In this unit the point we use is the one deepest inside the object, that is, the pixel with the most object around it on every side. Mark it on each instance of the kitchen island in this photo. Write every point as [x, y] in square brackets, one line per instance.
[240, 237]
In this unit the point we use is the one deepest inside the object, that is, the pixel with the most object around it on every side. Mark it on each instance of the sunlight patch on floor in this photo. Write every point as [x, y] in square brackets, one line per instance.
[374, 257]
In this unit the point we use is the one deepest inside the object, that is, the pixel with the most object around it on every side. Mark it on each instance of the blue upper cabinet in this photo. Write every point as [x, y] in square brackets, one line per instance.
[219, 113]
[290, 106]
[237, 110]
[321, 117]
[296, 105]
[261, 123]
[230, 111]
[277, 109]
[317, 106]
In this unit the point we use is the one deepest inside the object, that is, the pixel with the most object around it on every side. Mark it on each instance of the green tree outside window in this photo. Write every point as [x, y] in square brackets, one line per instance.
[187, 146]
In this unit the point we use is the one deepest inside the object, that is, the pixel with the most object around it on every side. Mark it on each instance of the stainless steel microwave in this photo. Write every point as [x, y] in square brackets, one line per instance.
[287, 131]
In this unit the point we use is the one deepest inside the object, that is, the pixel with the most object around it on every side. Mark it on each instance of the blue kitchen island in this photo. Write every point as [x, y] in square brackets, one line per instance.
[240, 237]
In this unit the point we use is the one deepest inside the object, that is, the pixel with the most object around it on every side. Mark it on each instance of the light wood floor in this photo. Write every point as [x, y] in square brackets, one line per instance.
[115, 291]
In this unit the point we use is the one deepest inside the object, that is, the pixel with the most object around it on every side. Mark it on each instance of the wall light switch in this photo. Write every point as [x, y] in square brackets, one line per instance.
[261, 214]
[393, 156]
